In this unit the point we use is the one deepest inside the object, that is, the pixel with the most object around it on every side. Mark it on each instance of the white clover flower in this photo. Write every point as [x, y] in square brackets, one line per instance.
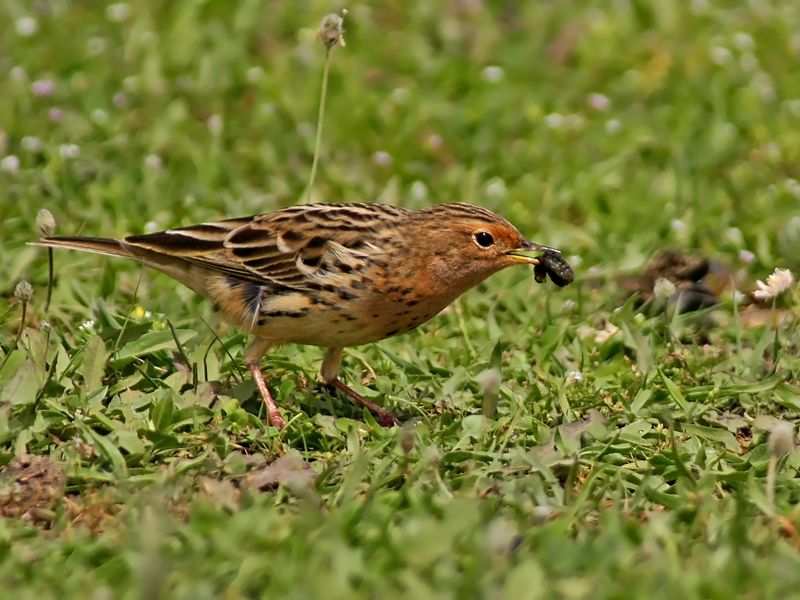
[419, 191]
[26, 26]
[747, 257]
[31, 144]
[87, 325]
[778, 282]
[18, 73]
[55, 114]
[382, 158]
[493, 73]
[678, 226]
[100, 116]
[781, 439]
[663, 289]
[743, 40]
[496, 188]
[9, 164]
[400, 95]
[69, 151]
[215, 125]
[720, 55]
[599, 102]
[489, 381]
[118, 12]
[574, 377]
[153, 162]
[254, 74]
[43, 87]
[119, 100]
[613, 126]
[554, 120]
[434, 141]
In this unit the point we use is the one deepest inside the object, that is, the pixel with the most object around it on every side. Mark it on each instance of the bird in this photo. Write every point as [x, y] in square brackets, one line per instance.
[332, 275]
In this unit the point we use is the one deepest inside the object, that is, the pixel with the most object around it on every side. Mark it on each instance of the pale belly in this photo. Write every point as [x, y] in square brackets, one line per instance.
[352, 323]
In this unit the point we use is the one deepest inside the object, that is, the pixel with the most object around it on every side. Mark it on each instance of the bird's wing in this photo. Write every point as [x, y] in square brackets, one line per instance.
[298, 247]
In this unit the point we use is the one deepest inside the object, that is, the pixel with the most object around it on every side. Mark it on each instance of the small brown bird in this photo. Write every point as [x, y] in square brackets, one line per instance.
[331, 275]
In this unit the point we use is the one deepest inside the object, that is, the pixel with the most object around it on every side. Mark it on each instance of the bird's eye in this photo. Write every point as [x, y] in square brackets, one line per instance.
[484, 239]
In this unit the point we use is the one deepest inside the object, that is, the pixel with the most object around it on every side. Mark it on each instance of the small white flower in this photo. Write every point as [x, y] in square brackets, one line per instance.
[69, 151]
[434, 141]
[31, 144]
[9, 164]
[496, 188]
[778, 282]
[793, 187]
[489, 380]
[570, 305]
[27, 26]
[554, 121]
[400, 95]
[678, 226]
[55, 114]
[600, 335]
[720, 55]
[43, 87]
[575, 260]
[131, 83]
[599, 102]
[793, 106]
[781, 439]
[574, 377]
[747, 257]
[663, 289]
[151, 227]
[215, 125]
[153, 162]
[254, 74]
[734, 236]
[613, 126]
[119, 100]
[419, 191]
[99, 116]
[118, 12]
[381, 158]
[87, 325]
[96, 45]
[18, 73]
[743, 40]
[493, 73]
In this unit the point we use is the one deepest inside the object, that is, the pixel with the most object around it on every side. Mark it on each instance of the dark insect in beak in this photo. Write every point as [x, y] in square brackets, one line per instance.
[553, 264]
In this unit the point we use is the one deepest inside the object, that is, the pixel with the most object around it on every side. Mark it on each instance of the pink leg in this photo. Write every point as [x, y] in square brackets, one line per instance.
[384, 417]
[330, 375]
[275, 418]
[252, 358]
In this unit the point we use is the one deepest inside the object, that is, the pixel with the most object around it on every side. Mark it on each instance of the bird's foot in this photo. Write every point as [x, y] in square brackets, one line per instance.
[383, 416]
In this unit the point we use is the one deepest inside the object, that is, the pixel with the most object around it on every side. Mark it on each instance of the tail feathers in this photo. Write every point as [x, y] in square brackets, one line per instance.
[97, 245]
[193, 276]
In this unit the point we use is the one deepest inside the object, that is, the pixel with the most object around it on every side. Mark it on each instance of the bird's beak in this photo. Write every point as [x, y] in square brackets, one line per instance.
[523, 254]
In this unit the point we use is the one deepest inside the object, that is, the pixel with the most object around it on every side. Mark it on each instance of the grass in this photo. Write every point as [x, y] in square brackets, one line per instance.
[629, 465]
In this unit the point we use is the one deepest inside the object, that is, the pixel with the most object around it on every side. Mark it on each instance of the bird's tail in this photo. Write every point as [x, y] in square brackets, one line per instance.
[193, 276]
[97, 245]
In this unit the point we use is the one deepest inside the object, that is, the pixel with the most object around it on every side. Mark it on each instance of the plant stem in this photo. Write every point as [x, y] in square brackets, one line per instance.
[320, 121]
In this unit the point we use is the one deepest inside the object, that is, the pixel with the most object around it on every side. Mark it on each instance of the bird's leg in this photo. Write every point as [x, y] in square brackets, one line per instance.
[330, 376]
[252, 360]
